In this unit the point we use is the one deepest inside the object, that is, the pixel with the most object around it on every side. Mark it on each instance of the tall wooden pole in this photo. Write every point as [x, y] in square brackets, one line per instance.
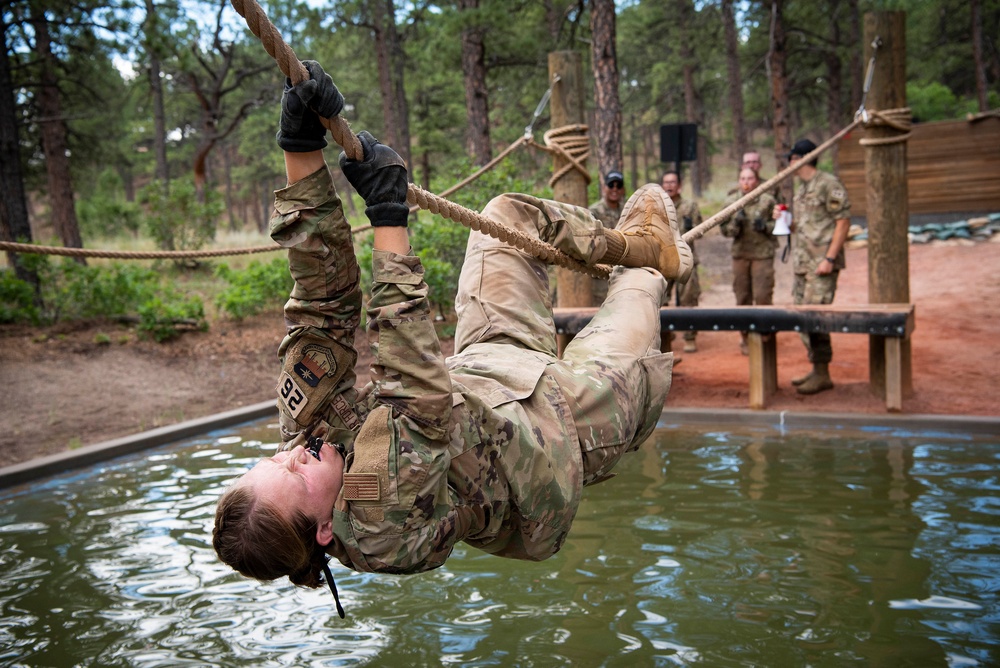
[885, 173]
[566, 79]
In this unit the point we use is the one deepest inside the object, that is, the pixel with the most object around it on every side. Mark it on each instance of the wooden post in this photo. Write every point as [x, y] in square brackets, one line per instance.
[566, 79]
[887, 204]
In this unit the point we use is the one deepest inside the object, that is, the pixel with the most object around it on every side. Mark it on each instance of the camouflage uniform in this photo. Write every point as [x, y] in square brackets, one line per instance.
[818, 204]
[493, 445]
[609, 218]
[689, 217]
[751, 229]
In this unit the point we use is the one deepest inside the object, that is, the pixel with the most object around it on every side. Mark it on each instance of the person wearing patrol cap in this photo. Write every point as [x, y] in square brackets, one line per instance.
[821, 217]
[608, 210]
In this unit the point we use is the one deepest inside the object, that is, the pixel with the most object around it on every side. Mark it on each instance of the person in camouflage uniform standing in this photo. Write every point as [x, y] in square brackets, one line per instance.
[608, 210]
[689, 217]
[752, 231]
[821, 217]
[491, 446]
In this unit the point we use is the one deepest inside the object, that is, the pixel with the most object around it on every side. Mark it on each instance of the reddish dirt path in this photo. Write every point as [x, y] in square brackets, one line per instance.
[59, 389]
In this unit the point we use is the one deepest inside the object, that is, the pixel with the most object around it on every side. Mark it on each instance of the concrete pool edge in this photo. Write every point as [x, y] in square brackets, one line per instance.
[92, 454]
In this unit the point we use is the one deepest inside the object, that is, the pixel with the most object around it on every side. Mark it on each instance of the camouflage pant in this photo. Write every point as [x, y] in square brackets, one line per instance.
[817, 290]
[753, 281]
[612, 376]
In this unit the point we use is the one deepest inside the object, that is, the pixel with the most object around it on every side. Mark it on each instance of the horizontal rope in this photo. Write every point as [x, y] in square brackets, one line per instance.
[15, 247]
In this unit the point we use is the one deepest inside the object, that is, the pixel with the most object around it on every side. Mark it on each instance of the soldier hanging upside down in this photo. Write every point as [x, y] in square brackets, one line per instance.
[491, 446]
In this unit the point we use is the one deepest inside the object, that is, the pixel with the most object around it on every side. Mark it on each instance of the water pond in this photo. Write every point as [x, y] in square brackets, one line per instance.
[752, 547]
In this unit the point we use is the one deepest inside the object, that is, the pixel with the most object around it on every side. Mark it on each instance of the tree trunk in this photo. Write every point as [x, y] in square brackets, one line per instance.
[151, 30]
[977, 54]
[776, 59]
[835, 77]
[692, 101]
[476, 95]
[14, 224]
[227, 166]
[740, 143]
[854, 38]
[388, 58]
[53, 131]
[604, 62]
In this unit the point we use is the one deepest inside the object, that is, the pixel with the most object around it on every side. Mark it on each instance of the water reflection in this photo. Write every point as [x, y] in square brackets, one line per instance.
[724, 549]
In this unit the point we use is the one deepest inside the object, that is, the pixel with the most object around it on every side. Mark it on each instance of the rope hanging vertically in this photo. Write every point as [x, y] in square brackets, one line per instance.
[289, 64]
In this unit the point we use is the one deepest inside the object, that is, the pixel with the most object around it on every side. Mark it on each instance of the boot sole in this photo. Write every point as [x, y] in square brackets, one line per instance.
[684, 254]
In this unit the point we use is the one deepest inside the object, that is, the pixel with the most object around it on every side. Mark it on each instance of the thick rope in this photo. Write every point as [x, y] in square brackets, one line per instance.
[572, 143]
[15, 247]
[897, 119]
[480, 223]
[288, 62]
[292, 68]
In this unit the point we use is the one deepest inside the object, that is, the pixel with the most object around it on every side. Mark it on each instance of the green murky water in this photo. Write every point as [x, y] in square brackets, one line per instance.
[745, 548]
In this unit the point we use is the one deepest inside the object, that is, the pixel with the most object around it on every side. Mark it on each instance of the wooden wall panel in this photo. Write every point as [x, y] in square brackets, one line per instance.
[952, 166]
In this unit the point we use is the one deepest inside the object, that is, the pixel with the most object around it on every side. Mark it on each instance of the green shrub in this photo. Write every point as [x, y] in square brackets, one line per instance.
[17, 300]
[253, 289]
[71, 291]
[178, 221]
[105, 213]
[158, 318]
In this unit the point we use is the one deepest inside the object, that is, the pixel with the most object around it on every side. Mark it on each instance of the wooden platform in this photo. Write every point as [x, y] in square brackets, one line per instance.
[888, 325]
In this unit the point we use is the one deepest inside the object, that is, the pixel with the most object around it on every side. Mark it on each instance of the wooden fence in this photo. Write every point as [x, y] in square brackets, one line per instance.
[952, 166]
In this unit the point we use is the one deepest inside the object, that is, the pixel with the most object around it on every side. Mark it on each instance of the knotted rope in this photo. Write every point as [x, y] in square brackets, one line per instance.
[897, 119]
[572, 143]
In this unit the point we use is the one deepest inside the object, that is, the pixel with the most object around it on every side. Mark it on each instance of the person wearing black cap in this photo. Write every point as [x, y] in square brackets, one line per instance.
[821, 217]
[608, 210]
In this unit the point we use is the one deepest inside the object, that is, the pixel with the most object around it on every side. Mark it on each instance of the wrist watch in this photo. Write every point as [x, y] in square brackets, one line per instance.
[831, 260]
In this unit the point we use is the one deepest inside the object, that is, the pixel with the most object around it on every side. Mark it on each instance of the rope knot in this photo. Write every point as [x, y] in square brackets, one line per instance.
[898, 119]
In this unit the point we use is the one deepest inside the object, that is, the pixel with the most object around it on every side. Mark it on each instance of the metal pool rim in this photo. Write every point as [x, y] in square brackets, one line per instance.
[910, 423]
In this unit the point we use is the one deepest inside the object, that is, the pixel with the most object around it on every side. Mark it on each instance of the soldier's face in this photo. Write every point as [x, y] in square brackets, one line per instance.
[748, 180]
[295, 479]
[671, 185]
[751, 160]
[614, 191]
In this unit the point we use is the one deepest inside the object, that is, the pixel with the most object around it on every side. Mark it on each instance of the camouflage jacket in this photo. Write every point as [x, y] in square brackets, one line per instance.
[480, 448]
[819, 203]
[688, 217]
[604, 213]
[473, 448]
[752, 229]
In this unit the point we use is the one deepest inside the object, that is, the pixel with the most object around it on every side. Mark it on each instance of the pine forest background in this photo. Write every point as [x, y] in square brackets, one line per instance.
[152, 123]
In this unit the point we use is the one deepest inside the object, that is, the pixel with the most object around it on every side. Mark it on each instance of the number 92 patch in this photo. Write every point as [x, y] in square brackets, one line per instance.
[291, 395]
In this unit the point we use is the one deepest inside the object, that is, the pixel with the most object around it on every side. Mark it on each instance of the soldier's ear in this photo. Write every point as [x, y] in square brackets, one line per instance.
[324, 533]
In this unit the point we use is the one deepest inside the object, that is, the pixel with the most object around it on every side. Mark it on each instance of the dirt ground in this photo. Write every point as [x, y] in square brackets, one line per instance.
[61, 389]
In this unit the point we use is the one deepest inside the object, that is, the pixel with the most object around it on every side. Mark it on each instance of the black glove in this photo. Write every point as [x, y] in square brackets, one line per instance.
[760, 226]
[300, 130]
[381, 180]
[688, 223]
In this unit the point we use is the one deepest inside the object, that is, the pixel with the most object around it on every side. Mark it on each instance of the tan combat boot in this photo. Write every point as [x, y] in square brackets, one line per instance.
[801, 379]
[818, 381]
[647, 236]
